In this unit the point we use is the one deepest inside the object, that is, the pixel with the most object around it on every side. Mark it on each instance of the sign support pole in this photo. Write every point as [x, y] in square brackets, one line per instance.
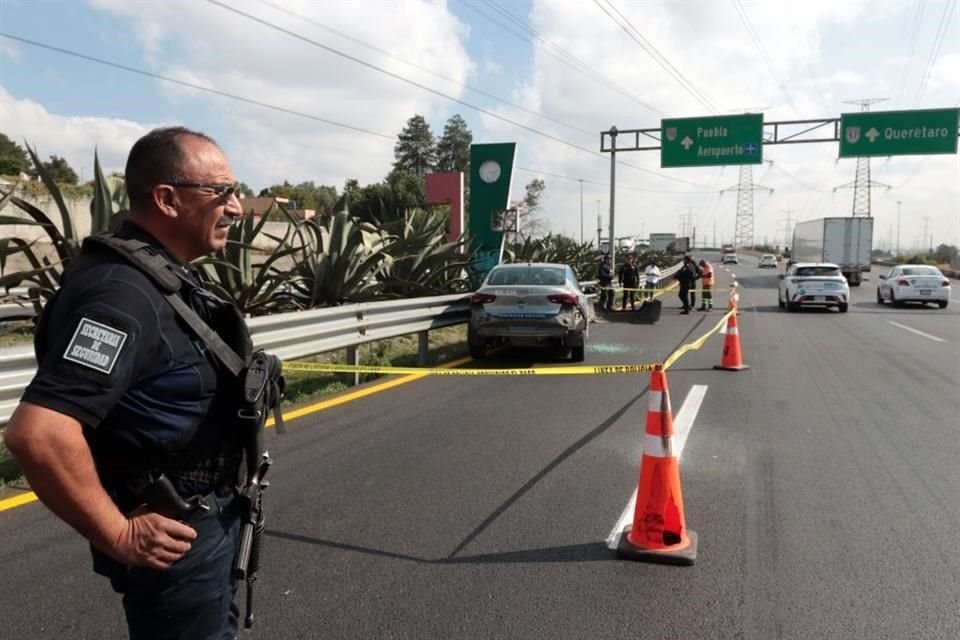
[613, 195]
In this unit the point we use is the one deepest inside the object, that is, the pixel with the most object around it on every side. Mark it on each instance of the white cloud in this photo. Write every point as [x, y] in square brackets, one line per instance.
[10, 50]
[811, 48]
[71, 137]
[945, 74]
[255, 61]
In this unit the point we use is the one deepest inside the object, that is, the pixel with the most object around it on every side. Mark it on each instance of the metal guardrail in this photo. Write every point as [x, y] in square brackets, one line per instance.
[290, 335]
[299, 334]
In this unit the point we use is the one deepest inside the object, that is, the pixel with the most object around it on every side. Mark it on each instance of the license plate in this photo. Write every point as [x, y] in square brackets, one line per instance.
[925, 292]
[819, 298]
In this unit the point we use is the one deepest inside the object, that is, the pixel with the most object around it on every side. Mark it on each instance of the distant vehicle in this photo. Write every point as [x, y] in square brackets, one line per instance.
[914, 283]
[768, 260]
[660, 241]
[808, 284]
[533, 304]
[729, 258]
[728, 248]
[846, 242]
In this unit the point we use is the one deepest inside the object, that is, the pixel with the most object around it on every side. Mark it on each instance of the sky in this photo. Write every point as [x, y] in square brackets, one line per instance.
[320, 89]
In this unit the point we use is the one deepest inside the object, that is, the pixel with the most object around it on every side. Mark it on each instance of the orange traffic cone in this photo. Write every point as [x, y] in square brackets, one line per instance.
[659, 532]
[732, 359]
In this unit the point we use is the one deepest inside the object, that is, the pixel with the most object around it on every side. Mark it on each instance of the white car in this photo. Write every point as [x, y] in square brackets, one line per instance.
[729, 258]
[768, 260]
[914, 283]
[529, 304]
[813, 284]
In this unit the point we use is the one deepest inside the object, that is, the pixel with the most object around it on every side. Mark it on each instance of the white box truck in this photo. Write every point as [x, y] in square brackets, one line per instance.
[846, 242]
[660, 241]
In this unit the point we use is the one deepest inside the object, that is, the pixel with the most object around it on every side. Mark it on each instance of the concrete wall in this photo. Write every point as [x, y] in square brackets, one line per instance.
[79, 211]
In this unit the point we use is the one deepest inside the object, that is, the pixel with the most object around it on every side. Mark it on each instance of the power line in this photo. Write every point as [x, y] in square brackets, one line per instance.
[814, 82]
[911, 49]
[745, 19]
[192, 85]
[658, 57]
[357, 41]
[562, 55]
[796, 179]
[942, 29]
[435, 92]
[607, 184]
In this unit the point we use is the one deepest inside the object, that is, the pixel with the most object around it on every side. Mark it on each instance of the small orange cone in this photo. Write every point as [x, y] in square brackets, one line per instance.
[732, 359]
[659, 532]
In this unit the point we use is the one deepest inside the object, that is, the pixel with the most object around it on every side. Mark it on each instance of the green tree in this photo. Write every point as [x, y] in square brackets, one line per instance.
[416, 150]
[453, 148]
[945, 254]
[60, 171]
[305, 195]
[531, 198]
[13, 158]
[245, 190]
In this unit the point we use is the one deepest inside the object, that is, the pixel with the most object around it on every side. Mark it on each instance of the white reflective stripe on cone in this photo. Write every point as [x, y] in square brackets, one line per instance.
[733, 331]
[657, 446]
[659, 403]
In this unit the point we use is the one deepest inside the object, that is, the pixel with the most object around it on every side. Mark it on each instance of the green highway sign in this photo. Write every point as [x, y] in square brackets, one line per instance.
[711, 141]
[898, 133]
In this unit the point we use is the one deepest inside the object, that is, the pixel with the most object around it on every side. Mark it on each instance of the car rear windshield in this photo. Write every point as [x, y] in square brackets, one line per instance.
[551, 276]
[817, 271]
[921, 271]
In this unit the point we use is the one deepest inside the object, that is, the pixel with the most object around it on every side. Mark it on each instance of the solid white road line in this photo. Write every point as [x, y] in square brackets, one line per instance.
[919, 333]
[682, 424]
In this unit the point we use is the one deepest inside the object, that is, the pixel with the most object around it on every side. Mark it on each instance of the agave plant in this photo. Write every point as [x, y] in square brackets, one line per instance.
[583, 258]
[44, 276]
[423, 262]
[336, 261]
[256, 288]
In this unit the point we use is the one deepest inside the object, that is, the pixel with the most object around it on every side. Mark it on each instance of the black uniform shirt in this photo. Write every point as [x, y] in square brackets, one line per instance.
[113, 354]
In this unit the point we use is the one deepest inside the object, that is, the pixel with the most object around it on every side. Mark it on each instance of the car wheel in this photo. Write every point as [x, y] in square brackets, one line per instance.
[476, 345]
[843, 308]
[791, 307]
[893, 300]
[578, 353]
[879, 296]
[780, 303]
[942, 304]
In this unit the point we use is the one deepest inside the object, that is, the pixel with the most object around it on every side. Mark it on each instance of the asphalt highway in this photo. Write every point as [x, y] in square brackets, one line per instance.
[823, 484]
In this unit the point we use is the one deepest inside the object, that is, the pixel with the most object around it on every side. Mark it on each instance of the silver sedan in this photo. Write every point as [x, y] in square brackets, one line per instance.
[914, 283]
[530, 304]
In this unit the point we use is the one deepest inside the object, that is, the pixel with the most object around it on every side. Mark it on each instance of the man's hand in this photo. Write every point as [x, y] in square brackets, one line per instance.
[151, 540]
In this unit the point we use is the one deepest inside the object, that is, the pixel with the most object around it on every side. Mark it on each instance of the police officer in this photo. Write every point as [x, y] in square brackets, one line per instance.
[605, 280]
[125, 392]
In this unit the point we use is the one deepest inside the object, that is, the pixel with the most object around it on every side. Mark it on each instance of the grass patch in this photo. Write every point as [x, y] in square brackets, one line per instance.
[9, 469]
[305, 387]
[16, 333]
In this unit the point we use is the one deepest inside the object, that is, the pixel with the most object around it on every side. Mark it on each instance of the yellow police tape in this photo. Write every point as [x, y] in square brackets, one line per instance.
[582, 370]
[699, 342]
[579, 370]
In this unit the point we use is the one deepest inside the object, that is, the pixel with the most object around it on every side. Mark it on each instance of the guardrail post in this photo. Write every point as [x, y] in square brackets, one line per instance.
[353, 353]
[423, 347]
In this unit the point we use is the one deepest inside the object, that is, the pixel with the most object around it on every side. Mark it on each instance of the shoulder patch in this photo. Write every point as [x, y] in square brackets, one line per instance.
[95, 345]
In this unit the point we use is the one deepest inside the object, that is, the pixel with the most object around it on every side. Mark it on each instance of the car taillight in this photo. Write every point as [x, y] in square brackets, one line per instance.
[563, 298]
[945, 283]
[482, 298]
[903, 283]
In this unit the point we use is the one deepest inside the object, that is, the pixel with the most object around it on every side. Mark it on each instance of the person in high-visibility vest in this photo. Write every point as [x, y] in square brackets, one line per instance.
[706, 280]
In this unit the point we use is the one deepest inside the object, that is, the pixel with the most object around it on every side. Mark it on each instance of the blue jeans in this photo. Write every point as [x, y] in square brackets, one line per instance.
[194, 598]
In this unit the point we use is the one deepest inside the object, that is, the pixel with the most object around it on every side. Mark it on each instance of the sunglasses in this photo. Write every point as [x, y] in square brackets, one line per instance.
[220, 190]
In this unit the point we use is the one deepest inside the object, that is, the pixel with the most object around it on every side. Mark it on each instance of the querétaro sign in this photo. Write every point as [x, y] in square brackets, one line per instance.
[898, 133]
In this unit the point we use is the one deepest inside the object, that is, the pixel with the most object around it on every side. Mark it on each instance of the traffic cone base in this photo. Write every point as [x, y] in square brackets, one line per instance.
[683, 555]
[732, 359]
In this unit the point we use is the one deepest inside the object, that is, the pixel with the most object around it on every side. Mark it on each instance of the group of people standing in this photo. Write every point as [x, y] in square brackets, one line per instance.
[691, 271]
[629, 278]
